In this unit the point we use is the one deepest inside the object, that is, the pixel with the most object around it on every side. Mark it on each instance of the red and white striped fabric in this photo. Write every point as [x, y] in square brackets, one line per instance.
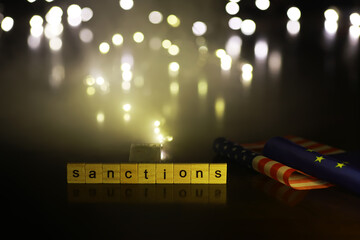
[287, 175]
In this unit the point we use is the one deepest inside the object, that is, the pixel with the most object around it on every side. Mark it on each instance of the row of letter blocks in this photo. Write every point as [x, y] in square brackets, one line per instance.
[147, 173]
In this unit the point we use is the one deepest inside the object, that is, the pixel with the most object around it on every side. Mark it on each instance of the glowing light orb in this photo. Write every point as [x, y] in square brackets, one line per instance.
[55, 44]
[261, 49]
[262, 4]
[294, 13]
[173, 20]
[293, 27]
[199, 28]
[117, 39]
[126, 4]
[232, 8]
[86, 14]
[331, 15]
[173, 50]
[104, 47]
[126, 107]
[355, 19]
[235, 23]
[86, 35]
[7, 24]
[248, 27]
[36, 21]
[138, 37]
[155, 17]
[166, 43]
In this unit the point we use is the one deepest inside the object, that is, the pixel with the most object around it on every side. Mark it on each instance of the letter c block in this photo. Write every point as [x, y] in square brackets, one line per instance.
[129, 173]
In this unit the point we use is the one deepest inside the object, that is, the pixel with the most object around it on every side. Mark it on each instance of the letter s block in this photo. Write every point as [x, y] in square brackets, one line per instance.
[75, 172]
[218, 173]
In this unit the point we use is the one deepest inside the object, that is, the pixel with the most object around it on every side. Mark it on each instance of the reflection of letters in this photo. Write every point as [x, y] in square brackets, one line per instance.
[164, 193]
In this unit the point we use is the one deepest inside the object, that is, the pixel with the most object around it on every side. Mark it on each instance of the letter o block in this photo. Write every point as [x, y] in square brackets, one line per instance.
[182, 173]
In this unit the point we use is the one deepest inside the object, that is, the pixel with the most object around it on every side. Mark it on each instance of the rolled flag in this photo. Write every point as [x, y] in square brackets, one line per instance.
[291, 177]
[325, 167]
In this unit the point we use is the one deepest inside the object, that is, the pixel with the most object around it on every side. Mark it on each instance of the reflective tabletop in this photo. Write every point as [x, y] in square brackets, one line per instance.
[83, 80]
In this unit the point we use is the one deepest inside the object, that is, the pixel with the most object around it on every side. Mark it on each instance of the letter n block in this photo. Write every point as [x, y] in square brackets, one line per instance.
[111, 173]
[218, 173]
[75, 172]
[200, 173]
[93, 173]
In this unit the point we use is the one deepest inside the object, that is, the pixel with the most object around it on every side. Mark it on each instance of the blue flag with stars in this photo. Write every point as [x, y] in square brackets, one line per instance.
[325, 167]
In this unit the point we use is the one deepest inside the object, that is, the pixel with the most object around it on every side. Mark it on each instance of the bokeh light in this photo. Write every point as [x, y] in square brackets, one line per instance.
[173, 20]
[355, 19]
[235, 23]
[173, 50]
[126, 4]
[138, 37]
[261, 49]
[294, 13]
[199, 28]
[248, 27]
[331, 15]
[262, 4]
[55, 44]
[86, 14]
[293, 27]
[7, 24]
[117, 39]
[155, 17]
[104, 47]
[166, 43]
[86, 35]
[232, 8]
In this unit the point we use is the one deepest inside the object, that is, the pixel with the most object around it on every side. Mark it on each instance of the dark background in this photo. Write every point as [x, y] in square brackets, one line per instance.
[43, 126]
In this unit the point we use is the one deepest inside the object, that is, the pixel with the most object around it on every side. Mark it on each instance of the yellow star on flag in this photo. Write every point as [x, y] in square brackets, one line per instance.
[309, 150]
[340, 165]
[319, 159]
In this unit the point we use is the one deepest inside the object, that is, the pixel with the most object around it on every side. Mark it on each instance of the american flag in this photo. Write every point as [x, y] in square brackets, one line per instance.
[251, 155]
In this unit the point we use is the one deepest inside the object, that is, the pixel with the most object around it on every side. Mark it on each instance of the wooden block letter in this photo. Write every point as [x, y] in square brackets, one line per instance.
[129, 173]
[76, 172]
[93, 173]
[182, 173]
[146, 173]
[165, 173]
[218, 173]
[200, 173]
[111, 173]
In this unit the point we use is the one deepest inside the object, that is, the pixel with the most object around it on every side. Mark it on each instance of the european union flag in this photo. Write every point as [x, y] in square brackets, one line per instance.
[325, 167]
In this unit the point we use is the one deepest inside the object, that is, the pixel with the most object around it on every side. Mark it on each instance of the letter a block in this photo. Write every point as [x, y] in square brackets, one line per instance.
[93, 173]
[129, 173]
[76, 172]
[146, 173]
[218, 173]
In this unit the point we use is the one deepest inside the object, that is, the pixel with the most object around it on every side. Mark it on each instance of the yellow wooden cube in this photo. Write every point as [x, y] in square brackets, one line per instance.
[129, 173]
[182, 173]
[218, 173]
[76, 172]
[165, 173]
[146, 173]
[93, 173]
[199, 173]
[111, 173]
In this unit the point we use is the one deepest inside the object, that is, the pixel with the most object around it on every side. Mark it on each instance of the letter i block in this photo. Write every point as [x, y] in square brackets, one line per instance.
[182, 173]
[128, 173]
[200, 173]
[218, 173]
[164, 173]
[93, 173]
[75, 172]
[146, 173]
[111, 173]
